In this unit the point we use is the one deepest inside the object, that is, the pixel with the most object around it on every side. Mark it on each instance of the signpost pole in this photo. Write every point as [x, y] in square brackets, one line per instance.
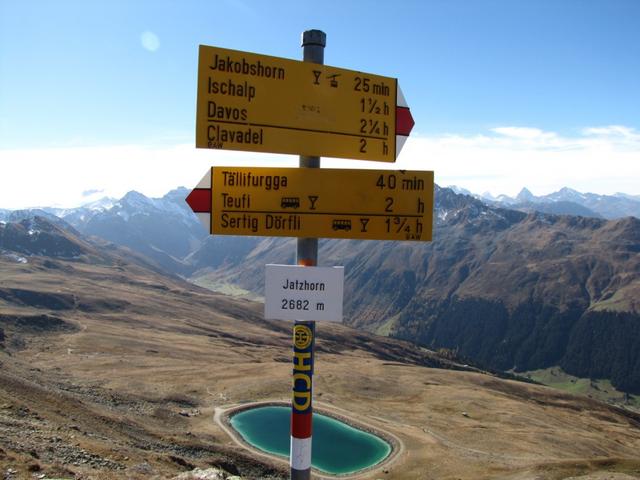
[313, 43]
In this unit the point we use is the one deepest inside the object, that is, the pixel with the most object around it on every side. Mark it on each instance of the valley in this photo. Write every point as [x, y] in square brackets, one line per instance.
[598, 389]
[503, 289]
[111, 369]
[344, 240]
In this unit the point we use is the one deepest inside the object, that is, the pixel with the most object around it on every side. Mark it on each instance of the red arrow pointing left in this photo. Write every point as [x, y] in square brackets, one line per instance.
[200, 201]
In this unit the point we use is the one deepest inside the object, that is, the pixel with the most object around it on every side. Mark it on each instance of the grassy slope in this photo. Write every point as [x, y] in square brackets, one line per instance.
[133, 390]
[600, 389]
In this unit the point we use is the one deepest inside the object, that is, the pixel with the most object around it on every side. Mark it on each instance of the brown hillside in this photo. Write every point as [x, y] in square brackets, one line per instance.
[116, 372]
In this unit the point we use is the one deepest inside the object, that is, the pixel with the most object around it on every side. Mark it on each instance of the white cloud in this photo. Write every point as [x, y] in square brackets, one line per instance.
[92, 192]
[149, 41]
[523, 132]
[622, 134]
[602, 160]
[62, 176]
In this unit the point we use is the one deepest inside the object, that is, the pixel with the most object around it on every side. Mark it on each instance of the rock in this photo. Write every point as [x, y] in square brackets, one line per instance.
[203, 474]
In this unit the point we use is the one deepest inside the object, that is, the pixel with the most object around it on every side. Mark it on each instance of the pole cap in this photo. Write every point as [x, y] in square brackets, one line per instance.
[314, 37]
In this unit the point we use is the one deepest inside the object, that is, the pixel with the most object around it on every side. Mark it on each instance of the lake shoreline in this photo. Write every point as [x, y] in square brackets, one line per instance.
[223, 417]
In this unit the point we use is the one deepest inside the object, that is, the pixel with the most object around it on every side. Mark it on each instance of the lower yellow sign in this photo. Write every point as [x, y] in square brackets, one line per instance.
[324, 203]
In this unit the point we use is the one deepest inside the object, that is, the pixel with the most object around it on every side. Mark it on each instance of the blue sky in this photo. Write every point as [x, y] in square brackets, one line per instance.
[100, 95]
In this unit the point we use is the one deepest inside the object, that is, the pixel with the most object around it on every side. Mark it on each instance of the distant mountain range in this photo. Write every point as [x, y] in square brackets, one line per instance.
[566, 201]
[508, 289]
[163, 229]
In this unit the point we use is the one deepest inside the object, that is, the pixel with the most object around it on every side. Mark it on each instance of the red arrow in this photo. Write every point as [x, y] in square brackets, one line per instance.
[404, 121]
[200, 201]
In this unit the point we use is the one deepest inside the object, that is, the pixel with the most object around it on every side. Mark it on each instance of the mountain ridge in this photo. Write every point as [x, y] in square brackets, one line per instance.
[113, 370]
[566, 201]
[543, 276]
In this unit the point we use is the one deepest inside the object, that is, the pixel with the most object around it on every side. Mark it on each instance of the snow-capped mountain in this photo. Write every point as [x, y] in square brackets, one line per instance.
[568, 201]
[164, 229]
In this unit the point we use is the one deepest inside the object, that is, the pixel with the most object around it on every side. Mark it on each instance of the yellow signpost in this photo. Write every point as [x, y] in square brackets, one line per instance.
[259, 103]
[327, 203]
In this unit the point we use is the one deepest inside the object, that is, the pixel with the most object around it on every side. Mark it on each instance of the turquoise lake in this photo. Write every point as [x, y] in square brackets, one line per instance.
[336, 448]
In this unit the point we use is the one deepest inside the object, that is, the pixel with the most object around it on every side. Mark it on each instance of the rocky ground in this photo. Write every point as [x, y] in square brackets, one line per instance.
[111, 371]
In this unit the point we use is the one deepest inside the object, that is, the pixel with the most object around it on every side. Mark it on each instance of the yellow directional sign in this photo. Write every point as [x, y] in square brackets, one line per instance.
[260, 103]
[329, 203]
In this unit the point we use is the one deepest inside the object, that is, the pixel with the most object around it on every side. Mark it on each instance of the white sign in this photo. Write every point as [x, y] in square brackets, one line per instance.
[294, 292]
